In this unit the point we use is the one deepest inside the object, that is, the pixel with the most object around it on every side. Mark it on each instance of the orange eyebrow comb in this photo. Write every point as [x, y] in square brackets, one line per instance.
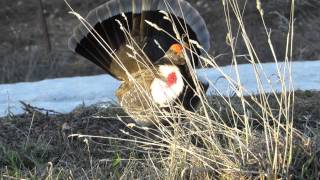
[176, 48]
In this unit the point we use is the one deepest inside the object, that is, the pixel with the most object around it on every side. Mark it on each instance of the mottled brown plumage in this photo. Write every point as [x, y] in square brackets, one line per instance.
[150, 63]
[135, 96]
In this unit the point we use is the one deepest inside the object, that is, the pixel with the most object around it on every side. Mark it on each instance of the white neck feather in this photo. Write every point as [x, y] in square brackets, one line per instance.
[161, 93]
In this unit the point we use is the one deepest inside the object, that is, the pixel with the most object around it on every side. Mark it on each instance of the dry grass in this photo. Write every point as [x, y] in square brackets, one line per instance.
[35, 145]
[240, 137]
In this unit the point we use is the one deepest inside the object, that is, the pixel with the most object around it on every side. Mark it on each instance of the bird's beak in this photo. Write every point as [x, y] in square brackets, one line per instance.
[161, 61]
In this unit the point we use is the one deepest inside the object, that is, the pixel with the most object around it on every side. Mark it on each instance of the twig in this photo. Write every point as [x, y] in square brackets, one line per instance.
[45, 31]
[32, 109]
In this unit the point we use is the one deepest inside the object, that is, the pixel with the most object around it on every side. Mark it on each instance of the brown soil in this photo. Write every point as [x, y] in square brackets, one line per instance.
[22, 42]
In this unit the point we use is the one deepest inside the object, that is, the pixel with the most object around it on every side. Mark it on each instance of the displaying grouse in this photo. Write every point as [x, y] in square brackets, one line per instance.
[148, 45]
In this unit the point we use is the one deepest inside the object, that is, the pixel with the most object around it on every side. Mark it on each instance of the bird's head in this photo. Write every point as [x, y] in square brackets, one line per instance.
[174, 56]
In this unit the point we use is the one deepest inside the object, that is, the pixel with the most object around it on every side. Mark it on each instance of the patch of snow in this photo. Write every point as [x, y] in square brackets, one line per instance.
[64, 94]
[305, 76]
[61, 95]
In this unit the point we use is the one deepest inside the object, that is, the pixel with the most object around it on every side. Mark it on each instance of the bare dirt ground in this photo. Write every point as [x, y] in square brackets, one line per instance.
[22, 41]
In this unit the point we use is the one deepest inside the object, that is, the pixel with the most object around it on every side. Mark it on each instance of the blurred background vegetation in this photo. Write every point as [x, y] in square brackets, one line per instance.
[33, 42]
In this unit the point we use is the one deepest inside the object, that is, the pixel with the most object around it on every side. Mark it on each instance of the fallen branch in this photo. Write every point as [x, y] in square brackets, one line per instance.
[32, 109]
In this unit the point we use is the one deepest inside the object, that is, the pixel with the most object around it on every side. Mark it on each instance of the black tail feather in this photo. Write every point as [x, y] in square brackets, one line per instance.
[105, 23]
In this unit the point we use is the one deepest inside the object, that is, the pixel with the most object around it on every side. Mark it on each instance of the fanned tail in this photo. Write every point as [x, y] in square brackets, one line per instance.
[104, 41]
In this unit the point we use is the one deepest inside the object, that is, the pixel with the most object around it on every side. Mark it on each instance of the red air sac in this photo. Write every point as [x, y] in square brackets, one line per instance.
[171, 79]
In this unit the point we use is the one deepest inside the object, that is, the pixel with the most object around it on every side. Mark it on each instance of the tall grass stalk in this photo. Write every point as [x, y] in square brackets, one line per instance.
[253, 140]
